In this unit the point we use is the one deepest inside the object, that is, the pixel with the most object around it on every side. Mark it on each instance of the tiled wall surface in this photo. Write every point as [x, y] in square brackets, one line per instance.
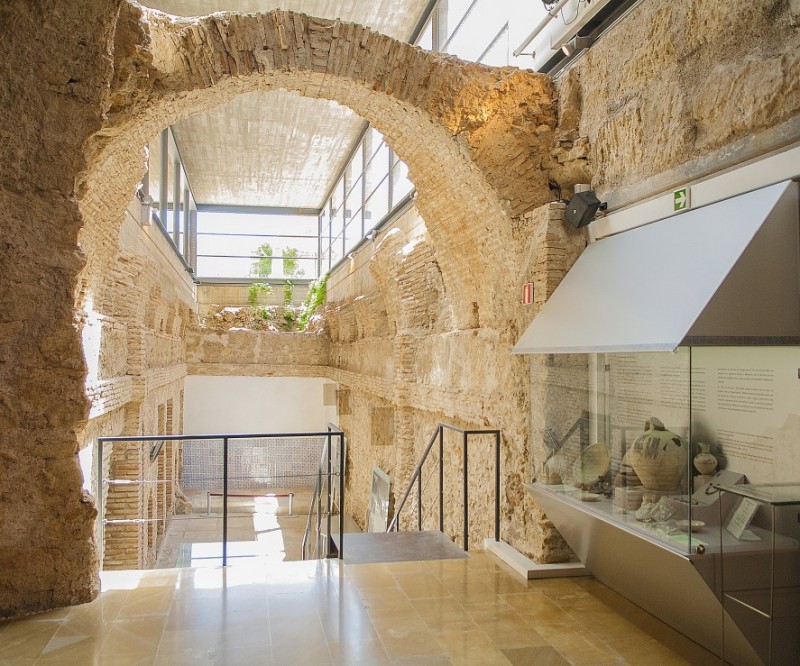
[285, 462]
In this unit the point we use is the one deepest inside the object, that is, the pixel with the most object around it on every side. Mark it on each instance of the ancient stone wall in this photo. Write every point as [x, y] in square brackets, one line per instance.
[682, 89]
[52, 99]
[134, 331]
[396, 350]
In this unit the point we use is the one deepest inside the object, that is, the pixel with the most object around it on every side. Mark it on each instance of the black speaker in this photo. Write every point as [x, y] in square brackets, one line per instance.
[582, 208]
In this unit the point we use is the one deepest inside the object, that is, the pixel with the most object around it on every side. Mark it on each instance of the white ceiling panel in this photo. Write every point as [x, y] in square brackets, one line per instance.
[267, 149]
[277, 148]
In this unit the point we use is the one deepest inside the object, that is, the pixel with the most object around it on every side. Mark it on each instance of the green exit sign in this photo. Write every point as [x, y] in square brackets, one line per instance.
[680, 199]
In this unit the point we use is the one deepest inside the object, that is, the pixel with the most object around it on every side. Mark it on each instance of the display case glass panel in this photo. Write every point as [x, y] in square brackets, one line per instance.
[643, 439]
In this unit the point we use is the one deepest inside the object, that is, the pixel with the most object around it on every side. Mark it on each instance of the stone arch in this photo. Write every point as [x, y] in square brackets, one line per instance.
[475, 138]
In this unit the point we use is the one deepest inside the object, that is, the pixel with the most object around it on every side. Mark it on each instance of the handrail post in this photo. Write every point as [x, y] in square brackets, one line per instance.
[100, 507]
[341, 495]
[224, 501]
[328, 534]
[441, 478]
[466, 497]
[419, 501]
[497, 486]
[319, 509]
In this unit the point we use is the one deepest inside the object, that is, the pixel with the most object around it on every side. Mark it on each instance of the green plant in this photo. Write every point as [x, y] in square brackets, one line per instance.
[289, 319]
[262, 267]
[316, 297]
[255, 290]
[264, 313]
[288, 292]
[290, 266]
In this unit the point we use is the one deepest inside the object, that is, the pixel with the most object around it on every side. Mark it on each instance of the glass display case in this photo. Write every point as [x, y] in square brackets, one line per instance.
[666, 365]
[643, 439]
[696, 453]
[760, 567]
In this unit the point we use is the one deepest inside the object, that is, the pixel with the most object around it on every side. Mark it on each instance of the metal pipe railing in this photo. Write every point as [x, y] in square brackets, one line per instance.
[332, 431]
[416, 479]
[393, 523]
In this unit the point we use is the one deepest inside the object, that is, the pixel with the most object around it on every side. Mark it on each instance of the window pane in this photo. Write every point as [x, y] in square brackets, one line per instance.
[154, 172]
[353, 232]
[257, 245]
[425, 39]
[325, 261]
[450, 14]
[357, 162]
[177, 218]
[478, 30]
[498, 53]
[241, 223]
[325, 227]
[378, 204]
[336, 250]
[338, 191]
[249, 246]
[372, 142]
[337, 223]
[355, 195]
[228, 267]
[377, 169]
[170, 183]
[401, 185]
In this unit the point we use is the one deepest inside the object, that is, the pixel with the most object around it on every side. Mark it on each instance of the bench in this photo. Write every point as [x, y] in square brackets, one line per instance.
[210, 494]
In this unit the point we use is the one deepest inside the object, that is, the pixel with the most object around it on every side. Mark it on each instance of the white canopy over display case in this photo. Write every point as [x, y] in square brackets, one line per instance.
[725, 274]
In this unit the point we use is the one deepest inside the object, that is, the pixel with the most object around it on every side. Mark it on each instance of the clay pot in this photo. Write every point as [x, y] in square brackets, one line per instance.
[659, 458]
[591, 465]
[705, 462]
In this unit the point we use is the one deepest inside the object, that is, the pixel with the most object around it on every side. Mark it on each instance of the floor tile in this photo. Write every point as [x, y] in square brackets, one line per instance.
[368, 652]
[138, 635]
[408, 643]
[443, 614]
[323, 613]
[540, 655]
[22, 640]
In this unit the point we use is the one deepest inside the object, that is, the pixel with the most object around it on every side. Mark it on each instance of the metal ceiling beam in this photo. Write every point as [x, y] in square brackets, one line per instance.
[256, 210]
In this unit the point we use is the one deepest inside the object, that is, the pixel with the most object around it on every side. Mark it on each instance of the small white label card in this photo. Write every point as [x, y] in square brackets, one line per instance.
[742, 516]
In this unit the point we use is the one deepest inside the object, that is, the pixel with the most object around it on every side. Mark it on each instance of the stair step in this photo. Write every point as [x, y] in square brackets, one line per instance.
[373, 547]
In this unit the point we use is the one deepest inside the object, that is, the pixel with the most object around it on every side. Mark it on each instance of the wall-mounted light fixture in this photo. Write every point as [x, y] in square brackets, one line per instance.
[582, 208]
[576, 44]
[146, 201]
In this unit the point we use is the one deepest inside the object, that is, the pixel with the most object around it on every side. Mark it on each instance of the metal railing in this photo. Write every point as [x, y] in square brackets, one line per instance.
[325, 503]
[416, 479]
[157, 442]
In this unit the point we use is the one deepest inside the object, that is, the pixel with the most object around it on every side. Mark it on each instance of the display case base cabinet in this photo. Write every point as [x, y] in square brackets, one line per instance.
[760, 575]
[678, 589]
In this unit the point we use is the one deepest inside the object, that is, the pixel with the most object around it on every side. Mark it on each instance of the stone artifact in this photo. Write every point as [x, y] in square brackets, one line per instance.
[644, 512]
[705, 462]
[658, 456]
[652, 511]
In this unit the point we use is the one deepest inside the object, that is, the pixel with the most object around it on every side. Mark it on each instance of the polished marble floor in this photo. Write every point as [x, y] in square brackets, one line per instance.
[471, 611]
